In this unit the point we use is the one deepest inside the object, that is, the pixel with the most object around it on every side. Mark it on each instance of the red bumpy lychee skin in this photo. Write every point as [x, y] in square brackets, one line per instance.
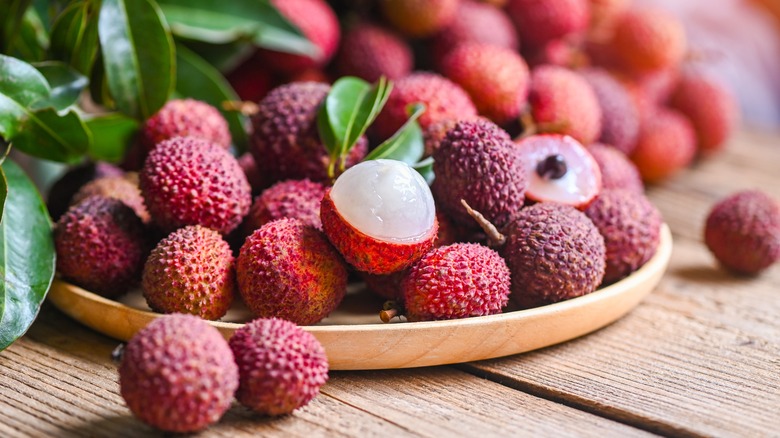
[620, 115]
[178, 374]
[319, 25]
[285, 140]
[419, 18]
[631, 227]
[387, 286]
[185, 118]
[298, 199]
[190, 271]
[456, 281]
[496, 78]
[288, 270]
[188, 181]
[124, 187]
[370, 52]
[648, 39]
[563, 102]
[62, 191]
[442, 98]
[743, 232]
[281, 366]
[101, 245]
[709, 106]
[666, 144]
[617, 171]
[538, 22]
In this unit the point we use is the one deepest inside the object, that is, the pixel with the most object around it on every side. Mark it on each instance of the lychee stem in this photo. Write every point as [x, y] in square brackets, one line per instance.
[494, 236]
[529, 125]
[387, 315]
[246, 108]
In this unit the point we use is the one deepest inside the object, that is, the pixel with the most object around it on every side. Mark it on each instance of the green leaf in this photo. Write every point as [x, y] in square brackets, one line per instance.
[74, 36]
[425, 168]
[3, 195]
[27, 257]
[66, 85]
[198, 79]
[21, 82]
[407, 143]
[11, 17]
[224, 57]
[33, 39]
[46, 134]
[111, 135]
[278, 33]
[138, 55]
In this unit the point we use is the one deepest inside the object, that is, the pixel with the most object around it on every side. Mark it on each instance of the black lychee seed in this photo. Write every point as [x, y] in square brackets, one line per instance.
[552, 167]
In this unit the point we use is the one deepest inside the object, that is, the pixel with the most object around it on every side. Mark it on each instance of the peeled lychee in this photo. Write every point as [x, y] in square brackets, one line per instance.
[369, 52]
[666, 144]
[620, 115]
[188, 181]
[631, 227]
[743, 232]
[538, 22]
[101, 245]
[495, 77]
[298, 199]
[647, 39]
[477, 162]
[124, 187]
[287, 269]
[178, 374]
[419, 18]
[617, 171]
[456, 281]
[185, 118]
[190, 271]
[554, 252]
[281, 366]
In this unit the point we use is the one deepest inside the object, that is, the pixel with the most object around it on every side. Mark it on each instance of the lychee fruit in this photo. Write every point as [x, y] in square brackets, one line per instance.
[620, 115]
[370, 52]
[380, 215]
[178, 374]
[387, 286]
[563, 102]
[554, 252]
[456, 281]
[419, 18]
[318, 23]
[287, 269]
[189, 181]
[258, 180]
[559, 169]
[477, 162]
[101, 245]
[190, 271]
[617, 171]
[124, 187]
[251, 79]
[631, 228]
[443, 100]
[185, 118]
[539, 22]
[299, 199]
[495, 77]
[62, 190]
[743, 232]
[647, 39]
[281, 366]
[604, 14]
[666, 144]
[285, 141]
[709, 106]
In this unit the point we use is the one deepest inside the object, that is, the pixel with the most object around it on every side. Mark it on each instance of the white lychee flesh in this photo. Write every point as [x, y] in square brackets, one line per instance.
[385, 199]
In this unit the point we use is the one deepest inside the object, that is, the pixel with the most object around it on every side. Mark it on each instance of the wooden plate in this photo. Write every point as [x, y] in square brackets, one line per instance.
[355, 339]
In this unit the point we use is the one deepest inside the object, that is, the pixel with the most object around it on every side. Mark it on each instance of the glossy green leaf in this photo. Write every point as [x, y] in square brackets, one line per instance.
[425, 168]
[138, 55]
[47, 134]
[27, 257]
[3, 194]
[111, 136]
[198, 79]
[74, 36]
[66, 85]
[33, 38]
[21, 82]
[407, 143]
[11, 16]
[224, 57]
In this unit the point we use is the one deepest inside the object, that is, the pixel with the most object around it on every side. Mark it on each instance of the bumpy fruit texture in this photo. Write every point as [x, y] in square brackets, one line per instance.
[298, 199]
[538, 22]
[709, 106]
[185, 118]
[554, 253]
[288, 270]
[631, 227]
[124, 187]
[61, 192]
[101, 245]
[285, 140]
[190, 271]
[648, 39]
[475, 22]
[666, 144]
[387, 286]
[443, 100]
[563, 102]
[617, 171]
[188, 181]
[496, 78]
[456, 281]
[620, 115]
[380, 215]
[318, 23]
[477, 162]
[370, 51]
[743, 232]
[419, 18]
[281, 366]
[178, 374]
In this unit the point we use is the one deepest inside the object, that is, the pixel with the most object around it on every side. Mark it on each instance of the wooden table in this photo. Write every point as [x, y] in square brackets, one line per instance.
[699, 357]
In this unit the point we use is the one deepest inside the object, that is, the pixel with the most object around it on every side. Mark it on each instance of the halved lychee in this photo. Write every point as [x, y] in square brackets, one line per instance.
[380, 215]
[559, 169]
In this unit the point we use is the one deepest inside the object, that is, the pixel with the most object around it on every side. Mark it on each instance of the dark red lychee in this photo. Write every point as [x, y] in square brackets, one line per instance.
[538, 22]
[185, 118]
[370, 52]
[299, 199]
